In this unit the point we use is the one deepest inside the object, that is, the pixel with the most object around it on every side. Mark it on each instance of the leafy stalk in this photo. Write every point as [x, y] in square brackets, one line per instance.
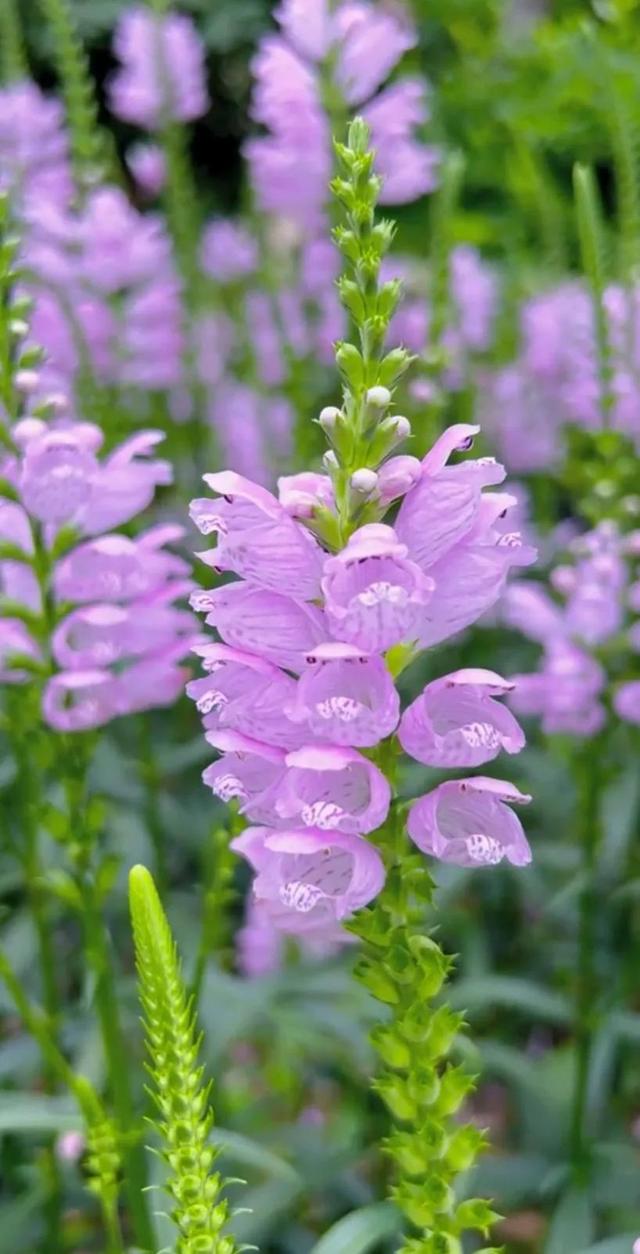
[102, 1163]
[87, 139]
[13, 63]
[181, 1096]
[401, 966]
[593, 252]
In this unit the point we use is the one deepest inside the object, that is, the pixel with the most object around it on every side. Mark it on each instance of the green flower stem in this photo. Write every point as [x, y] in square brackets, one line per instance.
[152, 782]
[214, 932]
[12, 57]
[88, 142]
[592, 249]
[103, 1162]
[99, 959]
[183, 1100]
[586, 992]
[404, 969]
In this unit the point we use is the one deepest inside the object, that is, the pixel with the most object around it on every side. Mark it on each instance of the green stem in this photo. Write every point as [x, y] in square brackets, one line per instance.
[88, 142]
[586, 992]
[404, 968]
[214, 933]
[152, 781]
[593, 250]
[99, 959]
[39, 1027]
[12, 57]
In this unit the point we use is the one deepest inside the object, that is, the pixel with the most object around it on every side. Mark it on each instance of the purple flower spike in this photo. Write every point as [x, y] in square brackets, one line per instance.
[161, 78]
[375, 596]
[332, 788]
[257, 538]
[308, 879]
[467, 821]
[228, 251]
[276, 627]
[456, 721]
[345, 696]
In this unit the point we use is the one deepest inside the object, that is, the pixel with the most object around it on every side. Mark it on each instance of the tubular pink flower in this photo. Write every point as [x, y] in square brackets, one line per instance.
[257, 538]
[467, 821]
[456, 721]
[345, 696]
[332, 787]
[375, 596]
[248, 770]
[278, 628]
[244, 693]
[310, 880]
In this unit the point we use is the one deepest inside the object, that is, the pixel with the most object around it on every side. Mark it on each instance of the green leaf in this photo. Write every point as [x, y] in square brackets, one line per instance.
[34, 1112]
[572, 1225]
[483, 992]
[360, 1231]
[249, 1153]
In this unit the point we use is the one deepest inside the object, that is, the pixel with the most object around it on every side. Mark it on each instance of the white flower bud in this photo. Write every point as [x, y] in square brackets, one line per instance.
[379, 397]
[18, 328]
[328, 418]
[26, 380]
[402, 426]
[364, 481]
[330, 462]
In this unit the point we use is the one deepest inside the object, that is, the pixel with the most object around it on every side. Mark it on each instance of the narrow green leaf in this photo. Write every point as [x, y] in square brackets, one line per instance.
[361, 1231]
[34, 1112]
[572, 1227]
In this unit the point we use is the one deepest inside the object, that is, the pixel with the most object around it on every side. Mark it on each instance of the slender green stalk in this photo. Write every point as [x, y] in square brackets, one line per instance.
[152, 782]
[102, 1157]
[88, 143]
[99, 959]
[587, 777]
[593, 252]
[183, 1100]
[401, 966]
[404, 968]
[13, 62]
[214, 932]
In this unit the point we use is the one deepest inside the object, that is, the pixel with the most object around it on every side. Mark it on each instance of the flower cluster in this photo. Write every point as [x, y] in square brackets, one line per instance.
[83, 604]
[34, 148]
[580, 635]
[299, 695]
[554, 383]
[161, 78]
[107, 297]
[328, 60]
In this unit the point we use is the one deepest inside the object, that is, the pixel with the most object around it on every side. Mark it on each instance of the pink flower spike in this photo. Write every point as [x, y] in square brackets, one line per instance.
[467, 822]
[456, 721]
[257, 538]
[375, 596]
[308, 878]
[332, 787]
[345, 696]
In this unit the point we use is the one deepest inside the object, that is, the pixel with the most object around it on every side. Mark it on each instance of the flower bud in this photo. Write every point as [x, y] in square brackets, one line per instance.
[364, 481]
[328, 418]
[378, 397]
[330, 462]
[26, 380]
[393, 1051]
